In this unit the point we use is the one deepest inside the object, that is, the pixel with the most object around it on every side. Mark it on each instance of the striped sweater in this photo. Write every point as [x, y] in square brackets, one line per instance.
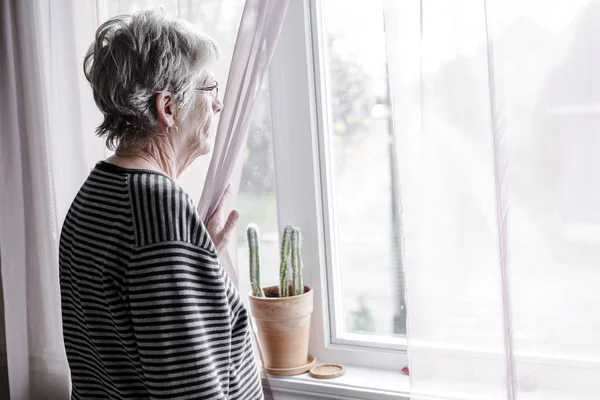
[148, 312]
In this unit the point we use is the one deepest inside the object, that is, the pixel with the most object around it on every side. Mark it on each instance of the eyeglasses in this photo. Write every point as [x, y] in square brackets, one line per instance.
[213, 90]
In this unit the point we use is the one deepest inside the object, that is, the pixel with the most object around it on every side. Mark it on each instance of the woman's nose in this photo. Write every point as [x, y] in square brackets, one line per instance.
[217, 105]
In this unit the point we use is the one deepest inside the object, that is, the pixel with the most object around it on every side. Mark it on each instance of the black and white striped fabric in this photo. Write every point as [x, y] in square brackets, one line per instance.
[148, 312]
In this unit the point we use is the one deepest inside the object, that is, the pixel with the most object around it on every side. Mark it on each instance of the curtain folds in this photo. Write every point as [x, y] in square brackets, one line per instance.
[495, 108]
[42, 167]
[256, 39]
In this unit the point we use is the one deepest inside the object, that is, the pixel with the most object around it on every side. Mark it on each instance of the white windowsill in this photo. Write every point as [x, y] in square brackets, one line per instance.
[356, 383]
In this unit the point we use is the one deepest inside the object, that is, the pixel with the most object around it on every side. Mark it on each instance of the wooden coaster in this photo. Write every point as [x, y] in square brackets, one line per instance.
[327, 371]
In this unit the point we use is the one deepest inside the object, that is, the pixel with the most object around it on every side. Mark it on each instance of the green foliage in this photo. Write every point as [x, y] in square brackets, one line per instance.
[361, 320]
[351, 94]
[352, 97]
[258, 176]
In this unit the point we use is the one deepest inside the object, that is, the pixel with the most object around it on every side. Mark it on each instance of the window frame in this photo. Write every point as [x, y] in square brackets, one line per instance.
[298, 95]
[322, 95]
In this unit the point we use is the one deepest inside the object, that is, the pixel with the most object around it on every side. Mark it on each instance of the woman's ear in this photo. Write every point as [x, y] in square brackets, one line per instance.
[165, 109]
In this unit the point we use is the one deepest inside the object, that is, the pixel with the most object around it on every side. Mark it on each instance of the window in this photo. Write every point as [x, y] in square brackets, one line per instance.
[334, 176]
[364, 211]
[257, 200]
[365, 224]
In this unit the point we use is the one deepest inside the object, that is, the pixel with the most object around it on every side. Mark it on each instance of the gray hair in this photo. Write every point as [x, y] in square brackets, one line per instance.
[134, 57]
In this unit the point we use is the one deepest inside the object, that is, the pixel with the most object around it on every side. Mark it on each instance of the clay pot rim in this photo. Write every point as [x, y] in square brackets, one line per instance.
[307, 290]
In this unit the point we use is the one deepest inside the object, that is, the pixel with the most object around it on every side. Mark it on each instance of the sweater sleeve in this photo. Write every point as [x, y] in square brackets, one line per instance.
[189, 322]
[185, 321]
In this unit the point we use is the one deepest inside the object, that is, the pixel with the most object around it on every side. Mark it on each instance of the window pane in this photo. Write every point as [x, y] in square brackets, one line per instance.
[363, 161]
[257, 201]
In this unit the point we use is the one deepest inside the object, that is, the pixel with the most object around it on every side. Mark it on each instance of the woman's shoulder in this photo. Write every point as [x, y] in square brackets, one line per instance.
[163, 212]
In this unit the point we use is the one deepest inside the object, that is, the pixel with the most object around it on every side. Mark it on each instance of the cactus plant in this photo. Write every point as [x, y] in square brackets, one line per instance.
[252, 237]
[284, 268]
[297, 284]
[290, 268]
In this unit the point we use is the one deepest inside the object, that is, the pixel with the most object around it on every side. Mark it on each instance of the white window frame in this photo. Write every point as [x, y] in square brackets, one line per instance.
[300, 143]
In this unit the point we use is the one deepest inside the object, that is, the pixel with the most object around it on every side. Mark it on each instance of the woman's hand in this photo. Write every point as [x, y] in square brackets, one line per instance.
[221, 226]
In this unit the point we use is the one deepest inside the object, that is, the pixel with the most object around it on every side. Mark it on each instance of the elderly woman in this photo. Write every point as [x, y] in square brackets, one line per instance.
[148, 312]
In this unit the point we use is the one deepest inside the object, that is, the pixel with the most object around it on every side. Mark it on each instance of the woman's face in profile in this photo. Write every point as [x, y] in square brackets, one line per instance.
[197, 129]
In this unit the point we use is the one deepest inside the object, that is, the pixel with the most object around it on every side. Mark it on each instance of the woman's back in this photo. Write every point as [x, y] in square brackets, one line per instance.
[147, 310]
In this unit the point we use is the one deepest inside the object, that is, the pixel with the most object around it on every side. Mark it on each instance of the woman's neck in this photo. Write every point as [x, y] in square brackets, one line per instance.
[154, 160]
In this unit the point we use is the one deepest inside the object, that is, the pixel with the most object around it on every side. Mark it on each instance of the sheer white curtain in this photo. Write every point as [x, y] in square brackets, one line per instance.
[497, 114]
[42, 165]
[256, 40]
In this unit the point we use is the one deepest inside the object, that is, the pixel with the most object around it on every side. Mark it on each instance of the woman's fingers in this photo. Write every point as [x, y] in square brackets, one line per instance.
[228, 230]
[220, 225]
[232, 220]
[219, 214]
[216, 222]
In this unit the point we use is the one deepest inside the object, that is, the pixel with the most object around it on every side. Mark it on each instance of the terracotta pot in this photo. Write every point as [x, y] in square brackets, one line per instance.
[283, 327]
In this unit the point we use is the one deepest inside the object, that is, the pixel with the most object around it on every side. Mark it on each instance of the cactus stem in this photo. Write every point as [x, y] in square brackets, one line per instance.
[285, 263]
[297, 284]
[253, 250]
